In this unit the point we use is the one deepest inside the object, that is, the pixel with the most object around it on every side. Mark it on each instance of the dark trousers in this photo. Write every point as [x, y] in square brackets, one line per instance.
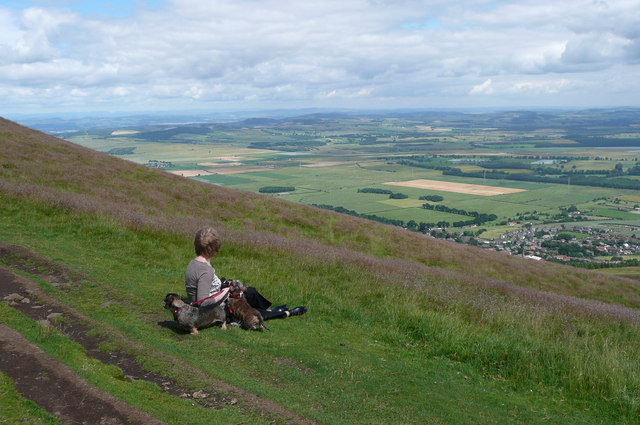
[260, 303]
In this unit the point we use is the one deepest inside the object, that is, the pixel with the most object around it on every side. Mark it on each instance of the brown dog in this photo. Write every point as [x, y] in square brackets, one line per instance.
[240, 310]
[190, 318]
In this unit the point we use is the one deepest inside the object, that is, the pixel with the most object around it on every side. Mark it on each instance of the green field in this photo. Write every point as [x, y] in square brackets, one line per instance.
[328, 159]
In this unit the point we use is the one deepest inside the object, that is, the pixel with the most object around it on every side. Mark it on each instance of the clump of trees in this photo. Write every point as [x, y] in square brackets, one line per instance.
[398, 195]
[392, 195]
[432, 198]
[375, 190]
[276, 189]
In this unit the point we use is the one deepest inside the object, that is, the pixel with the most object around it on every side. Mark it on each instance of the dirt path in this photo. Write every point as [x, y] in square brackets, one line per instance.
[53, 386]
[26, 296]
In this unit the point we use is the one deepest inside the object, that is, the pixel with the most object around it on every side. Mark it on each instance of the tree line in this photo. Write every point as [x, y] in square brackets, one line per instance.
[276, 189]
[392, 195]
[478, 217]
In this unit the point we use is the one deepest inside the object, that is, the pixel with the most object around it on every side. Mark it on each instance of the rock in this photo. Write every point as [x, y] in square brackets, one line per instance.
[53, 315]
[200, 394]
[44, 323]
[13, 297]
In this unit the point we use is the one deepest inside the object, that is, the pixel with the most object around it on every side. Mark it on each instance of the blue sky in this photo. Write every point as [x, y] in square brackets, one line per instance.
[59, 56]
[89, 8]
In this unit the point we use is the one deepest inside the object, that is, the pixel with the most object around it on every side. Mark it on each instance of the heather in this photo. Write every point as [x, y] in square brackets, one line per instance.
[42, 167]
[395, 319]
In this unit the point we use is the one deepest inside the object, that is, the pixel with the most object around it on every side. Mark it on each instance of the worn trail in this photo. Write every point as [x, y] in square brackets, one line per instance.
[25, 295]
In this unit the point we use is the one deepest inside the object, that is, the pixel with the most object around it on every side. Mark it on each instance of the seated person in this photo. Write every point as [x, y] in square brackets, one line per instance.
[201, 281]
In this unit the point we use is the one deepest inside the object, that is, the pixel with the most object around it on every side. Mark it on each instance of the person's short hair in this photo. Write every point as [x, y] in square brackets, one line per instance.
[207, 242]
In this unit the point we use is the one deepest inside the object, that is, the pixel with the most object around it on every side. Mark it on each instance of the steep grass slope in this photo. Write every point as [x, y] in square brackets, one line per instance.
[402, 328]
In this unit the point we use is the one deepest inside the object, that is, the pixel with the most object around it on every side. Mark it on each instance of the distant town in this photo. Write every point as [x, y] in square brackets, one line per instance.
[579, 245]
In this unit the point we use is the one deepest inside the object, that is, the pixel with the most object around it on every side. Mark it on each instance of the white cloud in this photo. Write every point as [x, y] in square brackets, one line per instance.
[541, 87]
[483, 88]
[338, 52]
[596, 48]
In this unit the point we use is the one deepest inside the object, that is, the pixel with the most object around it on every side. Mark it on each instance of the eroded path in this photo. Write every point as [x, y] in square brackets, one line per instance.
[26, 364]
[53, 386]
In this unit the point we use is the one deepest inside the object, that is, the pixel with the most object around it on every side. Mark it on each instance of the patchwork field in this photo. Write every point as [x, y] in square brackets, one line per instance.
[472, 189]
[329, 159]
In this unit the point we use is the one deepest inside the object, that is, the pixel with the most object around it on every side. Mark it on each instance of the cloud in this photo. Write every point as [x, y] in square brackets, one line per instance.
[595, 48]
[540, 87]
[183, 53]
[484, 88]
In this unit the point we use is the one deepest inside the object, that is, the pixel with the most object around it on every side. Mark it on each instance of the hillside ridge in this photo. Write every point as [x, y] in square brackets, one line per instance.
[70, 176]
[402, 328]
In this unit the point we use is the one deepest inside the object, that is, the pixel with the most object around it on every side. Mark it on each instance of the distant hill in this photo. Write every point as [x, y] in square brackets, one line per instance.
[403, 301]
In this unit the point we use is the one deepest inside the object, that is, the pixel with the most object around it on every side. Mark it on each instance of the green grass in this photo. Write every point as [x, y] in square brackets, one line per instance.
[612, 213]
[15, 409]
[401, 328]
[140, 394]
[358, 356]
[224, 179]
[331, 185]
[338, 185]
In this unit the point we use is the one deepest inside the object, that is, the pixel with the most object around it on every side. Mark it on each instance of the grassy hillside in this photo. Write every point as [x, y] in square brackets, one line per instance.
[401, 329]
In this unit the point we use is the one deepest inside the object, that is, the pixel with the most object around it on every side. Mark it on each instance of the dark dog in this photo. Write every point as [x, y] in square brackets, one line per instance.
[240, 310]
[190, 318]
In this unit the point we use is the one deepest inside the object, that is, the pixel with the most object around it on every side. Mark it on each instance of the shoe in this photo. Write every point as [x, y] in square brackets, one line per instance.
[298, 311]
[280, 308]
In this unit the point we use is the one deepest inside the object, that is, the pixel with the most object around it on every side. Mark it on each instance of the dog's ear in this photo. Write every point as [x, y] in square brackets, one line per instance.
[170, 297]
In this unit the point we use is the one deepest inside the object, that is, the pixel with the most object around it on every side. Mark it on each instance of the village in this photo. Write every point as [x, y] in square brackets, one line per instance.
[562, 243]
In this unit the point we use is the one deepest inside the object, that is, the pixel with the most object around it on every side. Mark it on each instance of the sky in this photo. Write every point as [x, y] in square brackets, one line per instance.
[122, 57]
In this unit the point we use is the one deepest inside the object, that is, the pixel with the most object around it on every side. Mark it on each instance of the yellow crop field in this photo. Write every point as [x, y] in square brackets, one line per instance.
[472, 189]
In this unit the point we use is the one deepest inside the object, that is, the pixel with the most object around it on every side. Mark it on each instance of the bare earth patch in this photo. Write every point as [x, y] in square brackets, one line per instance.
[191, 173]
[239, 170]
[124, 132]
[220, 164]
[228, 169]
[471, 189]
[323, 164]
[53, 386]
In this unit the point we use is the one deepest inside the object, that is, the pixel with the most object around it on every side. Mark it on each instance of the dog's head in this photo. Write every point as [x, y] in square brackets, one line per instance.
[173, 301]
[236, 288]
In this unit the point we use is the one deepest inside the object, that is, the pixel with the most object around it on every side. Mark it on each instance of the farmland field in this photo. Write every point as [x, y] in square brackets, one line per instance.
[521, 171]
[470, 189]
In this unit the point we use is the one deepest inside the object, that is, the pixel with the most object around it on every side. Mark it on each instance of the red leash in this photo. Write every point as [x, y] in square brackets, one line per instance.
[195, 303]
[210, 296]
